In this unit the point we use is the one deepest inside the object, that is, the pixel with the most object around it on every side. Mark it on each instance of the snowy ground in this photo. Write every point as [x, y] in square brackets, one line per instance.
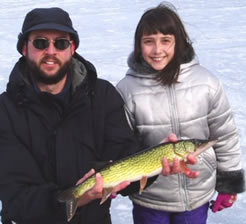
[106, 28]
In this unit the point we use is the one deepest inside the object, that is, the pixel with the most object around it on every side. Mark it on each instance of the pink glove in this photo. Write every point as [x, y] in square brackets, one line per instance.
[223, 201]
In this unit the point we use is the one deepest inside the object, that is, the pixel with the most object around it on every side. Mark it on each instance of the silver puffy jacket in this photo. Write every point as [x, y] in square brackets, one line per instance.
[196, 107]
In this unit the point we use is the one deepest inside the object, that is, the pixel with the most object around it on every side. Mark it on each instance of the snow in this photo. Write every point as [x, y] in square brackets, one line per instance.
[106, 29]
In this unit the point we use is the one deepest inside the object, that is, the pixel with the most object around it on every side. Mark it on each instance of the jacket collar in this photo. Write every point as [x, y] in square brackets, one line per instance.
[141, 69]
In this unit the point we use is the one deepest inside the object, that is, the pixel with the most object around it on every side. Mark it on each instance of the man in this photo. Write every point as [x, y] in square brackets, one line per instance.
[56, 119]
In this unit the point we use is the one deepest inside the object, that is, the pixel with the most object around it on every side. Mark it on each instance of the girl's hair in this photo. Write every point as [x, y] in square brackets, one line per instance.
[165, 20]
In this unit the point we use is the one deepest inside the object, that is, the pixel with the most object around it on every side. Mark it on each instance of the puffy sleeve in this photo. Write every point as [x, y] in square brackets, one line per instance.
[230, 175]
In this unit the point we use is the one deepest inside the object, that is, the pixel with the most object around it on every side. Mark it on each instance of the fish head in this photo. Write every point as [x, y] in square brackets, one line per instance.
[183, 148]
[194, 146]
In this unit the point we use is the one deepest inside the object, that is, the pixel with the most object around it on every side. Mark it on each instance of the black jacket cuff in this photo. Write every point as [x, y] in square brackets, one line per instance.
[231, 182]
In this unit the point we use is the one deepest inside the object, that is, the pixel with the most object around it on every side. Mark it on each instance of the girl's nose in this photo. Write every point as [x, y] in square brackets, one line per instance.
[157, 47]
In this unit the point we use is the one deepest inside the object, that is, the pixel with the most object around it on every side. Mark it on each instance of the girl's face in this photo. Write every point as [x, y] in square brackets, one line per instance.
[158, 49]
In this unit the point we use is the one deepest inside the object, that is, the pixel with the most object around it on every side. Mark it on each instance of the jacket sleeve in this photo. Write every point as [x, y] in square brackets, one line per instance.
[24, 193]
[119, 139]
[230, 175]
[126, 94]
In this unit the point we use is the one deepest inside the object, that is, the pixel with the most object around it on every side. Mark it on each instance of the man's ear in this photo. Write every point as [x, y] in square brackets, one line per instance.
[24, 49]
[73, 47]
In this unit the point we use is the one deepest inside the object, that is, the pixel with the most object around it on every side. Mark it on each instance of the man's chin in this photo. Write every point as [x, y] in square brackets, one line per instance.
[49, 71]
[49, 74]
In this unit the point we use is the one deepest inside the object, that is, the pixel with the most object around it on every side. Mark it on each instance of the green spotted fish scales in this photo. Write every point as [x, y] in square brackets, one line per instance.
[146, 163]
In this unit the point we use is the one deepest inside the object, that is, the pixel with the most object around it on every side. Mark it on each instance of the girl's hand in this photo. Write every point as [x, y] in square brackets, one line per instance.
[178, 166]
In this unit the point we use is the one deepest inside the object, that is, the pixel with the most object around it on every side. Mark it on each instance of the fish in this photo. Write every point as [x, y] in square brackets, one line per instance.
[137, 167]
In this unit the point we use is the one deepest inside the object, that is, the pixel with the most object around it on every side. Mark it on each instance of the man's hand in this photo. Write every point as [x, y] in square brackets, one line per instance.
[96, 191]
[178, 166]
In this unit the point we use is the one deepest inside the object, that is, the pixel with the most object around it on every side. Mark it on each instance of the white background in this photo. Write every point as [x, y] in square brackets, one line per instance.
[106, 29]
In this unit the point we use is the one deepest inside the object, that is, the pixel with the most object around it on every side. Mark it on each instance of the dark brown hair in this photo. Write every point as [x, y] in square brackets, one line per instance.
[165, 20]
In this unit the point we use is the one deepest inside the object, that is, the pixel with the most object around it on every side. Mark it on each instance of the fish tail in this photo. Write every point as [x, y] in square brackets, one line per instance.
[71, 202]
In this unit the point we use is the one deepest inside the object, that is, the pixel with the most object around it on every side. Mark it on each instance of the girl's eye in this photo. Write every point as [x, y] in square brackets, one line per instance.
[166, 40]
[147, 41]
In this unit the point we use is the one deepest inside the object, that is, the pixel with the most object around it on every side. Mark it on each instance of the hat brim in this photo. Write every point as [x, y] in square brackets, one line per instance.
[51, 26]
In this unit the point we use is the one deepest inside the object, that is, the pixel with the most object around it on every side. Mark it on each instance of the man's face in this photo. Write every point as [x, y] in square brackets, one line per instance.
[48, 65]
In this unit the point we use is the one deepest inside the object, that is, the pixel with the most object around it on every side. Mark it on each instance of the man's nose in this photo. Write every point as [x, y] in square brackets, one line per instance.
[51, 49]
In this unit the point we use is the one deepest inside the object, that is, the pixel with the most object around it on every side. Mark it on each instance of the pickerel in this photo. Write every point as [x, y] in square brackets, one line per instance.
[139, 166]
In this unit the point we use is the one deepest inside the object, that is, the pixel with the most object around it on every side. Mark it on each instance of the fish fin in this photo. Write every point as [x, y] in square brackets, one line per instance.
[143, 183]
[106, 193]
[71, 202]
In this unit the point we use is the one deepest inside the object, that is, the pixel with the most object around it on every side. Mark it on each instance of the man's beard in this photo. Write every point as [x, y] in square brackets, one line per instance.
[41, 77]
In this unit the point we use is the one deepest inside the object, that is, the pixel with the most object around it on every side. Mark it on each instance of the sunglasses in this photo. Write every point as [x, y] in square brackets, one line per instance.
[43, 43]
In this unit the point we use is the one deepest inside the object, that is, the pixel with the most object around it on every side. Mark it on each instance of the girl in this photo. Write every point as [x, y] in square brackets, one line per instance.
[166, 90]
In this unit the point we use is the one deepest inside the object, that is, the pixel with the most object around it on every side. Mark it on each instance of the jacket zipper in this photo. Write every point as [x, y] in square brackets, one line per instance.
[173, 110]
[174, 120]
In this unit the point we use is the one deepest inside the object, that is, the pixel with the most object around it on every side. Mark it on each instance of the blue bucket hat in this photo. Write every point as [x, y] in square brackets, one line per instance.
[47, 19]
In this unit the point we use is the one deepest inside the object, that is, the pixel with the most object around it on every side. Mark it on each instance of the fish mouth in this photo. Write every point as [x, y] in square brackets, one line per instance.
[204, 146]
